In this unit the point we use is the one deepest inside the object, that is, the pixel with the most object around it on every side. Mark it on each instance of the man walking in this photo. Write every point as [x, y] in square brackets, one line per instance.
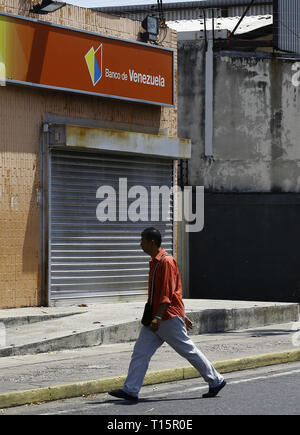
[169, 324]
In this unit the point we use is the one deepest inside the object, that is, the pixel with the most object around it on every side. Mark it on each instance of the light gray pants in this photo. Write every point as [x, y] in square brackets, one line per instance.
[173, 332]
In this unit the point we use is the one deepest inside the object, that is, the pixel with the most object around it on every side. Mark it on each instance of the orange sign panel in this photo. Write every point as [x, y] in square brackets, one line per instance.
[57, 57]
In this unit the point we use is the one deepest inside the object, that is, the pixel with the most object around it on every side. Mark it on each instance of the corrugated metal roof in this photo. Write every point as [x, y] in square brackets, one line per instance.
[175, 10]
[192, 14]
[247, 25]
[186, 9]
[287, 25]
[134, 4]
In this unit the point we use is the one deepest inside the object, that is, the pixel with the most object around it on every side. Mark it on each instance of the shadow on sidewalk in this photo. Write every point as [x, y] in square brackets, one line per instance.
[123, 402]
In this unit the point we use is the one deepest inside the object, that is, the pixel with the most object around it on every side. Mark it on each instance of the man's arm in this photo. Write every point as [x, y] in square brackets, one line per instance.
[154, 325]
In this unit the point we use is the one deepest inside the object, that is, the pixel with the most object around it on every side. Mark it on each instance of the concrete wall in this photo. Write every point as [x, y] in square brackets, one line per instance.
[248, 247]
[22, 111]
[191, 101]
[256, 122]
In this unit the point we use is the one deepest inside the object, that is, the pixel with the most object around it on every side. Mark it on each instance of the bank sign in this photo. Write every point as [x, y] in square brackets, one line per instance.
[40, 54]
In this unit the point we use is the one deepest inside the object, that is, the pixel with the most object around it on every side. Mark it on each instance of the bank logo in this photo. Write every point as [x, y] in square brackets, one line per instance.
[93, 60]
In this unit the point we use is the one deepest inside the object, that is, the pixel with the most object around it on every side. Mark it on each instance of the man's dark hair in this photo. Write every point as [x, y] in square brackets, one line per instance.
[152, 233]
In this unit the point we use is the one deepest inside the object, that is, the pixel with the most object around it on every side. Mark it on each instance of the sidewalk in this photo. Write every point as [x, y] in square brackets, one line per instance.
[68, 369]
[46, 329]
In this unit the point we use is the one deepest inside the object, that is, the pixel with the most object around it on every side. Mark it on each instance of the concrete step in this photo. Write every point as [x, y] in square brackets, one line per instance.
[114, 323]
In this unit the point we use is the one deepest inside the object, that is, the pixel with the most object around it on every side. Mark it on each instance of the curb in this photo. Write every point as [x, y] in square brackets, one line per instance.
[76, 389]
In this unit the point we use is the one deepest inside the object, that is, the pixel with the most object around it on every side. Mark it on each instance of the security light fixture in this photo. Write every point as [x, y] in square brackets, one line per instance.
[150, 24]
[46, 6]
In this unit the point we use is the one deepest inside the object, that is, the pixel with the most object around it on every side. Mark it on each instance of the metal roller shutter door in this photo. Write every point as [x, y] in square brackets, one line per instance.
[89, 258]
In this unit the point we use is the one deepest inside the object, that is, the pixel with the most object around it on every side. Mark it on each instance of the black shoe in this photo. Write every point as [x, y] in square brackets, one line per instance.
[213, 391]
[122, 395]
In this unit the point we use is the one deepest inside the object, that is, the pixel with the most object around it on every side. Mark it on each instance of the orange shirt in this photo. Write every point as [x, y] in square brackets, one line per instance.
[167, 286]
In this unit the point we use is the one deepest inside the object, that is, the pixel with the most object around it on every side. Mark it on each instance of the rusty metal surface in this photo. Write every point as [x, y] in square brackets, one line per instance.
[129, 142]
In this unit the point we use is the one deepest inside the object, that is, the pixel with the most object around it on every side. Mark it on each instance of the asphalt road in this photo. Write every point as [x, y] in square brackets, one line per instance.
[268, 391]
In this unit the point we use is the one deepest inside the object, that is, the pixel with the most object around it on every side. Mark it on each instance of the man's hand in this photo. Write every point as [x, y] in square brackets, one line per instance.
[154, 325]
[188, 323]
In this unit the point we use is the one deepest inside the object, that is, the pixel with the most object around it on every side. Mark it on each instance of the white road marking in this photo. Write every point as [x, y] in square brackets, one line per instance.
[275, 375]
[245, 380]
[187, 390]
